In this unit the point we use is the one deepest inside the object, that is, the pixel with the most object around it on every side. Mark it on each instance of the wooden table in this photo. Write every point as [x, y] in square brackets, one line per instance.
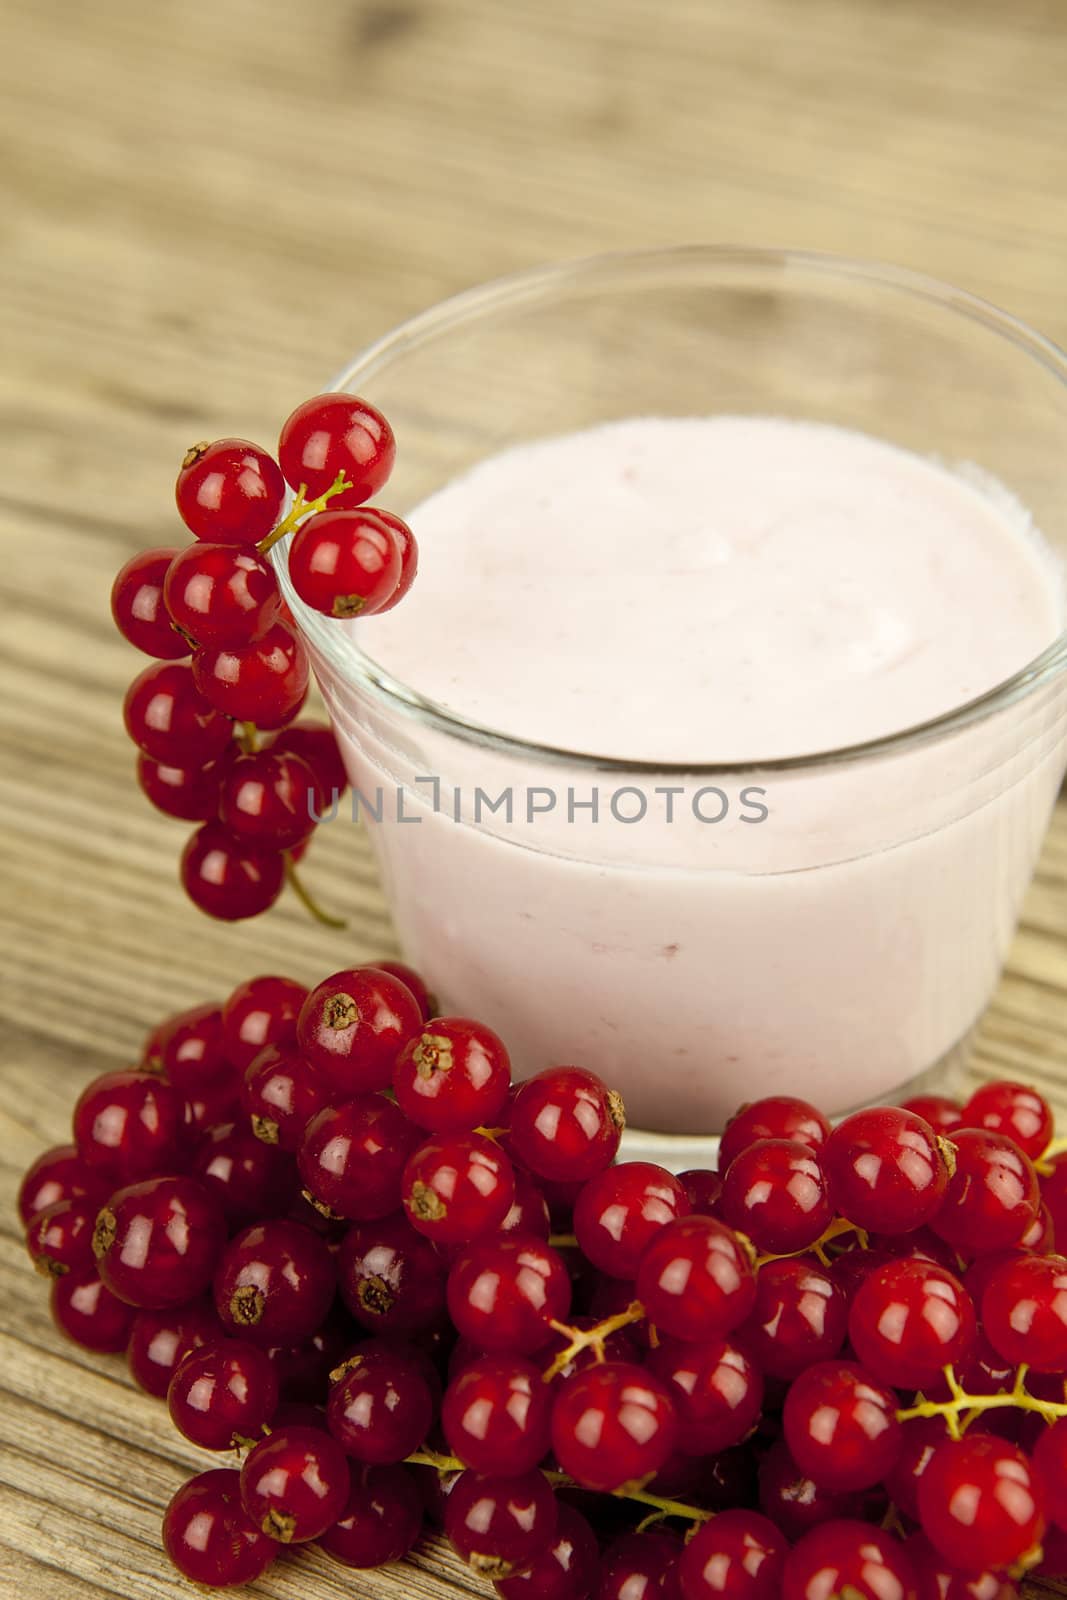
[207, 206]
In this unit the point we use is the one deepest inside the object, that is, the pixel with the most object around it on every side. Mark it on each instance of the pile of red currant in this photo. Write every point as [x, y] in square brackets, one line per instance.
[215, 735]
[331, 1232]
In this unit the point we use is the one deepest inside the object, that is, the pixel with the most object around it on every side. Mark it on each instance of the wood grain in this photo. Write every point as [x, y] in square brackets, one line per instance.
[206, 209]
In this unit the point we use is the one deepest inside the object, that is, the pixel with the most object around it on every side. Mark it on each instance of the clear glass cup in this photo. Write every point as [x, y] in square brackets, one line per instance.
[845, 947]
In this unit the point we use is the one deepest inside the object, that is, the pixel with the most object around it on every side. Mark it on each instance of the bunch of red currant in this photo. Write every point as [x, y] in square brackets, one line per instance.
[327, 1227]
[198, 725]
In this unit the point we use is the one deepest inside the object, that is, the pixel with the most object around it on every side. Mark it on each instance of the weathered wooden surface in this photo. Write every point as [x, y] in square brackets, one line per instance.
[206, 208]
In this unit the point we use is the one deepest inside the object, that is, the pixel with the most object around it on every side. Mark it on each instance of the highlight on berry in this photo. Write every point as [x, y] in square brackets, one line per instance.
[214, 715]
[389, 1288]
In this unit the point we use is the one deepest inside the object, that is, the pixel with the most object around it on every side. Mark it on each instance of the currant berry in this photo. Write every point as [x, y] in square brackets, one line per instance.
[909, 1320]
[496, 1414]
[88, 1313]
[168, 718]
[841, 1426]
[260, 1012]
[717, 1392]
[280, 1094]
[982, 1503]
[337, 433]
[57, 1174]
[800, 1317]
[353, 1156]
[160, 1341]
[613, 1425]
[566, 1124]
[392, 1279]
[191, 794]
[223, 1394]
[138, 609]
[993, 1196]
[271, 800]
[222, 594]
[640, 1566]
[275, 1283]
[264, 681]
[303, 1369]
[381, 1520]
[294, 1484]
[621, 1209]
[208, 1536]
[887, 1170]
[776, 1192]
[943, 1115]
[738, 1555]
[381, 1407]
[794, 1502]
[60, 1238]
[345, 563]
[1024, 1312]
[921, 1437]
[409, 558]
[504, 1292]
[779, 1116]
[696, 1279]
[453, 1076]
[457, 1187]
[127, 1125]
[703, 1187]
[157, 1242]
[228, 879]
[1050, 1460]
[1040, 1236]
[500, 1525]
[314, 743]
[187, 1048]
[1015, 1110]
[249, 1179]
[353, 1026]
[937, 1580]
[229, 491]
[848, 1558]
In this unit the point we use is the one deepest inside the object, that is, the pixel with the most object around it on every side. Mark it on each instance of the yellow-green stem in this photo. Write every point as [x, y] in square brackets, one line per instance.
[663, 1506]
[590, 1338]
[970, 1406]
[301, 508]
[307, 900]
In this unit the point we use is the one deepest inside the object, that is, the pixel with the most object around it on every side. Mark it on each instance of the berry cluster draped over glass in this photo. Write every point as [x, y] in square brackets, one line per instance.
[213, 716]
[330, 1231]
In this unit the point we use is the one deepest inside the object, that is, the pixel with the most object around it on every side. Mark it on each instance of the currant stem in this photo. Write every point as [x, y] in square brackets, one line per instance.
[562, 1241]
[1055, 1147]
[247, 737]
[586, 1338]
[307, 900]
[837, 1230]
[970, 1406]
[301, 508]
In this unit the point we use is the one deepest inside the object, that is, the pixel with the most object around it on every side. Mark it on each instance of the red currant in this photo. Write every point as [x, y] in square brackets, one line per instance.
[191, 794]
[696, 1279]
[505, 1291]
[337, 433]
[800, 1317]
[249, 1179]
[717, 1391]
[453, 1076]
[1015, 1110]
[345, 563]
[738, 1555]
[780, 1116]
[86, 1311]
[1050, 1460]
[260, 1012]
[841, 1426]
[922, 1436]
[500, 1525]
[704, 1188]
[127, 1125]
[848, 1559]
[208, 1536]
[993, 1196]
[613, 1425]
[496, 1415]
[281, 1093]
[157, 1242]
[381, 1407]
[937, 1580]
[57, 1174]
[353, 1156]
[353, 1026]
[160, 1341]
[981, 1503]
[909, 1320]
[621, 1209]
[138, 609]
[227, 878]
[794, 1502]
[566, 1124]
[640, 1566]
[169, 719]
[1024, 1312]
[887, 1170]
[222, 594]
[60, 1238]
[264, 681]
[314, 743]
[776, 1192]
[223, 1393]
[294, 1484]
[456, 1187]
[392, 1279]
[409, 558]
[381, 1520]
[270, 800]
[565, 1571]
[229, 491]
[943, 1115]
[529, 1210]
[275, 1283]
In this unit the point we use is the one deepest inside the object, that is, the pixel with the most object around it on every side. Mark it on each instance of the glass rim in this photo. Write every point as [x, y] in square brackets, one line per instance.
[532, 284]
